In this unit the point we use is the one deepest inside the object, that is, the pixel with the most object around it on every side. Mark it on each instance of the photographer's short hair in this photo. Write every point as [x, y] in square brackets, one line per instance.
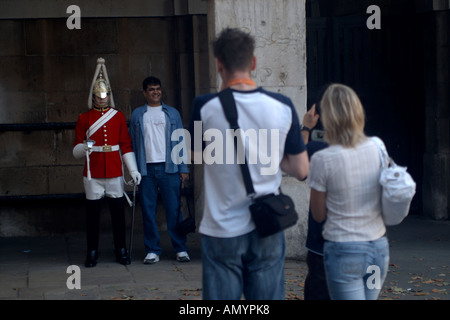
[235, 49]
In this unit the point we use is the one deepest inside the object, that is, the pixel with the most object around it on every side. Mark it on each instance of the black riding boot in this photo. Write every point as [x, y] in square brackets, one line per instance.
[93, 208]
[116, 207]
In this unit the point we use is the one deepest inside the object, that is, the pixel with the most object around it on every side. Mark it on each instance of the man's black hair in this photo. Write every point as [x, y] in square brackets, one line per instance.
[150, 81]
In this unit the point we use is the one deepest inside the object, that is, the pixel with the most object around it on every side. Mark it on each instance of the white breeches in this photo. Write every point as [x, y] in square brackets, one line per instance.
[98, 188]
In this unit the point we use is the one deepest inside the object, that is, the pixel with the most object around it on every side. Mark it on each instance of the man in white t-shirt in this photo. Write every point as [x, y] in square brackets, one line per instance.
[151, 129]
[236, 261]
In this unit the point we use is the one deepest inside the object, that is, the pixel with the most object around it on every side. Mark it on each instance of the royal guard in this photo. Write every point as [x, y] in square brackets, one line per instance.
[102, 138]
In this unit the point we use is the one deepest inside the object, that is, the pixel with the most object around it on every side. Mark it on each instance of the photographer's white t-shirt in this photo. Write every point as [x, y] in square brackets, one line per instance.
[270, 124]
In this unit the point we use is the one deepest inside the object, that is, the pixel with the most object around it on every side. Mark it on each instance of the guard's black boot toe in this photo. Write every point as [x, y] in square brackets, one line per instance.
[122, 256]
[91, 259]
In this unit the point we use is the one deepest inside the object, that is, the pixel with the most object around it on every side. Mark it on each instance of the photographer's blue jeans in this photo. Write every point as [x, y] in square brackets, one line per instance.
[246, 265]
[169, 187]
[346, 268]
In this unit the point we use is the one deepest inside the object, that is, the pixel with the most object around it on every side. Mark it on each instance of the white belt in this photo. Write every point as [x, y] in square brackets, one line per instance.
[105, 148]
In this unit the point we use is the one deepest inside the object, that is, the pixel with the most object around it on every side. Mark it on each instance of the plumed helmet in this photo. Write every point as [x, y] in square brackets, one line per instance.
[100, 85]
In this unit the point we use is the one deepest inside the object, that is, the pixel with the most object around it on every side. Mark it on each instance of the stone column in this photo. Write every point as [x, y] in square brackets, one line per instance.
[279, 28]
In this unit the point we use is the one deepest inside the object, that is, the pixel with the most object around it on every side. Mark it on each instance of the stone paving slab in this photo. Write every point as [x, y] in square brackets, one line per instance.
[36, 268]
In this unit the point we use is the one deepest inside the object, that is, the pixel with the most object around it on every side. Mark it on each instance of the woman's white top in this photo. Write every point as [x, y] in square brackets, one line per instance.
[349, 176]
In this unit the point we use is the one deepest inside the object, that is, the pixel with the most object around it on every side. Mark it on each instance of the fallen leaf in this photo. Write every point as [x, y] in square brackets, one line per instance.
[428, 281]
[396, 290]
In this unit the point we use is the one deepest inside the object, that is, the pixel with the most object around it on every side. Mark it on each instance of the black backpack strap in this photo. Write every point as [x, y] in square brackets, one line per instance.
[229, 108]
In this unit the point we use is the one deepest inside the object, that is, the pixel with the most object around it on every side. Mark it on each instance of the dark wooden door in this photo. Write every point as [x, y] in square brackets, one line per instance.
[385, 68]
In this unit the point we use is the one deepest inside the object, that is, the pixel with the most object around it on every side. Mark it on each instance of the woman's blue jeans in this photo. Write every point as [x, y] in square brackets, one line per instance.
[169, 187]
[246, 265]
[356, 270]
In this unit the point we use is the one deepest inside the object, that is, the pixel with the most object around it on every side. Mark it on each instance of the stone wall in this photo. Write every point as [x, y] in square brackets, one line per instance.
[46, 73]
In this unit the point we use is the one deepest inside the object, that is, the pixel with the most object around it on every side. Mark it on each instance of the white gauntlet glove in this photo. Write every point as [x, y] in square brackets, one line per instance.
[130, 161]
[79, 151]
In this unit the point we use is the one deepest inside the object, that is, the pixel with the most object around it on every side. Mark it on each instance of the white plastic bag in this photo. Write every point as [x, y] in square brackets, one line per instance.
[398, 188]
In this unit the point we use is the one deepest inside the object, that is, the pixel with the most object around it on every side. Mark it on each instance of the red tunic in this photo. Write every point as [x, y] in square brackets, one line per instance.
[114, 132]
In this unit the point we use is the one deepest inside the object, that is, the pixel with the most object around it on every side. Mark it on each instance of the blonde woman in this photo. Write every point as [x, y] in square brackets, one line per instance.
[345, 193]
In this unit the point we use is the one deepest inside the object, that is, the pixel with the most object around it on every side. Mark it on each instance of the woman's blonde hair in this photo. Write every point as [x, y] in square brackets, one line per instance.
[342, 116]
